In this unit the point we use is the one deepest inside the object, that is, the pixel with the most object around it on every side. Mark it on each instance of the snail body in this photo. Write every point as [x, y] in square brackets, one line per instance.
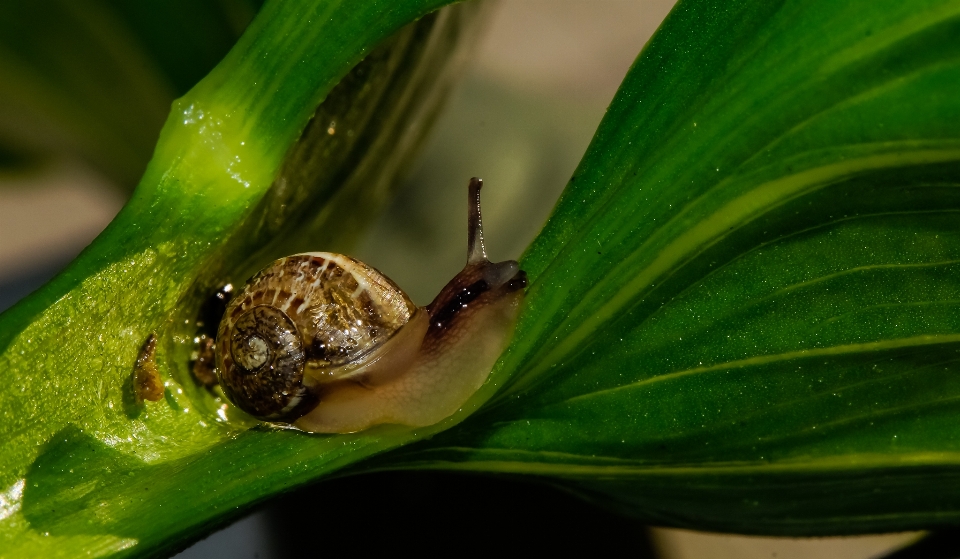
[331, 345]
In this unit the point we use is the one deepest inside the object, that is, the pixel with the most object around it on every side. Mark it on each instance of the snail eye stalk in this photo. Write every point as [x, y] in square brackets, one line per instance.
[476, 252]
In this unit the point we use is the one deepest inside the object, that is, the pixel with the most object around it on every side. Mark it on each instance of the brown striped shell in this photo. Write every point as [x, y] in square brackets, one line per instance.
[318, 311]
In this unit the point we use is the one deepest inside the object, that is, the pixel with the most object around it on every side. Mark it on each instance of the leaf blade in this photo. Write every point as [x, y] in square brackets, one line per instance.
[747, 296]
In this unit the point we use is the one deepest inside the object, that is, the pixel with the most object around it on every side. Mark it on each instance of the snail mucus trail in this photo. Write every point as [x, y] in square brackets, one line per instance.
[331, 345]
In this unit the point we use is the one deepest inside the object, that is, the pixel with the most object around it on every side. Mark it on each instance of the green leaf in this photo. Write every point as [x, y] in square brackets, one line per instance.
[244, 166]
[745, 310]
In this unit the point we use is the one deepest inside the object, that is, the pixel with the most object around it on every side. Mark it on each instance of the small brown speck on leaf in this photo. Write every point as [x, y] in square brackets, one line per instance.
[146, 378]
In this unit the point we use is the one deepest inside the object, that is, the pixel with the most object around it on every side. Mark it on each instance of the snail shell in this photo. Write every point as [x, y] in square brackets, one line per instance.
[332, 345]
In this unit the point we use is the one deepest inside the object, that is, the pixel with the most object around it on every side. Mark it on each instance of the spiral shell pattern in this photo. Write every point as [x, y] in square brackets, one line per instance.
[320, 310]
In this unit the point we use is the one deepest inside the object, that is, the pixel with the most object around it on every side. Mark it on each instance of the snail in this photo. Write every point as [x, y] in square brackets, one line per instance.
[331, 345]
